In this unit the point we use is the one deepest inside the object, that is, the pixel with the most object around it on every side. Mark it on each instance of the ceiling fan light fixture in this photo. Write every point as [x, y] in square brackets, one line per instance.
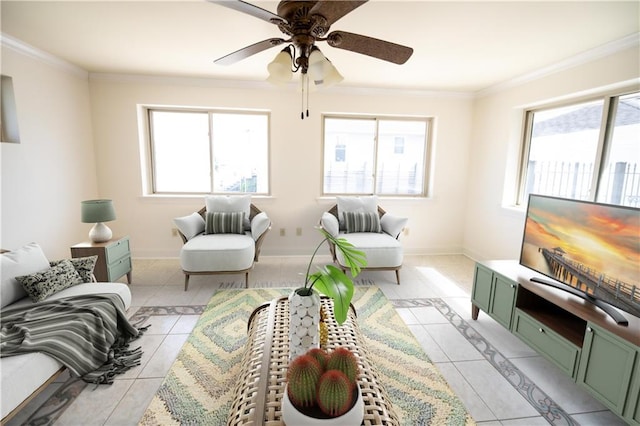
[280, 68]
[321, 70]
[331, 77]
[318, 64]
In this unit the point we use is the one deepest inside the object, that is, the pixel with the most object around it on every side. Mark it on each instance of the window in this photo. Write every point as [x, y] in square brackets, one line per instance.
[586, 151]
[209, 151]
[384, 156]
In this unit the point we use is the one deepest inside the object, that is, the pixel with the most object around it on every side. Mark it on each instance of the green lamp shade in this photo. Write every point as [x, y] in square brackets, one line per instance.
[95, 211]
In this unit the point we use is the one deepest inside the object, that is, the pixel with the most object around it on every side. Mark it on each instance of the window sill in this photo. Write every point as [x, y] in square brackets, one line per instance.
[181, 199]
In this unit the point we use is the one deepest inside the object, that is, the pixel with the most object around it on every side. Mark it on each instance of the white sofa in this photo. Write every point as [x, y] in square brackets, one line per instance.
[23, 376]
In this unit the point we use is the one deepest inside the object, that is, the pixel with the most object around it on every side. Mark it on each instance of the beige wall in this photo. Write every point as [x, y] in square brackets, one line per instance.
[493, 227]
[435, 224]
[45, 177]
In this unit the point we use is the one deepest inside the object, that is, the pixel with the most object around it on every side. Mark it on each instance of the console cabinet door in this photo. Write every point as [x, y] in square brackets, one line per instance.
[494, 294]
[606, 365]
[502, 301]
[482, 285]
[632, 410]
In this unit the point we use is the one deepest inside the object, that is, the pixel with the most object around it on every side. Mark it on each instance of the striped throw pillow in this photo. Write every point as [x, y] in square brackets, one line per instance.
[362, 222]
[224, 223]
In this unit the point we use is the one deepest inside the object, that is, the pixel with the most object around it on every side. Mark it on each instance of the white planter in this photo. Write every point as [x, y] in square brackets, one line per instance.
[292, 417]
[304, 323]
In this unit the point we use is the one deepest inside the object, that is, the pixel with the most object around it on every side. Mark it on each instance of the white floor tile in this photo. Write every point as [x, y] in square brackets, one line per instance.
[469, 396]
[501, 398]
[185, 324]
[452, 343]
[134, 403]
[163, 358]
[429, 345]
[94, 405]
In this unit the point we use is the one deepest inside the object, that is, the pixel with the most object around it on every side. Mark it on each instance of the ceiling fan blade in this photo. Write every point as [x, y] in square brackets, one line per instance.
[245, 52]
[370, 46]
[333, 10]
[250, 9]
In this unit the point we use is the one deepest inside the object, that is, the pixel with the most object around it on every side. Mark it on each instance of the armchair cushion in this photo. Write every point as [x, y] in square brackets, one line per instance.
[393, 225]
[330, 224]
[218, 252]
[362, 222]
[259, 225]
[190, 225]
[224, 223]
[230, 203]
[355, 204]
[382, 250]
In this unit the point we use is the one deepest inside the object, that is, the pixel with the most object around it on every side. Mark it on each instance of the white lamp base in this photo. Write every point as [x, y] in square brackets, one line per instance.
[100, 233]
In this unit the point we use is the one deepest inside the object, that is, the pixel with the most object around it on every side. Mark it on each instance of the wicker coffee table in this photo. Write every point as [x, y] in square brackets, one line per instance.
[261, 382]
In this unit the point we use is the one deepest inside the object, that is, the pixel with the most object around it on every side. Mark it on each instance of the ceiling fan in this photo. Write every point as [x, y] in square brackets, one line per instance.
[307, 22]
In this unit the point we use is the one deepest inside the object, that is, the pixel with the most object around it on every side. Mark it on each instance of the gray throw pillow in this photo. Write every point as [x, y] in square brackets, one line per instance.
[84, 266]
[362, 222]
[43, 284]
[224, 223]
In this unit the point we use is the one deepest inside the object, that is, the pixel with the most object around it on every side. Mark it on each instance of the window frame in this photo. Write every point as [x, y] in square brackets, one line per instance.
[427, 156]
[605, 133]
[147, 113]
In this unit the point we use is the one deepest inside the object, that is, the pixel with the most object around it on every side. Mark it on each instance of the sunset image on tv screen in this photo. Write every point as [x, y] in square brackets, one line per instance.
[592, 247]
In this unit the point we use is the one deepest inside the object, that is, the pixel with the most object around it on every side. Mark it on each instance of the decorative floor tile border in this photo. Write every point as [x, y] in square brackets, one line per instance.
[63, 397]
[538, 399]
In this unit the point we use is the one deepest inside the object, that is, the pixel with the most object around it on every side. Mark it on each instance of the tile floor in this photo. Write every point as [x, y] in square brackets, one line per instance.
[434, 301]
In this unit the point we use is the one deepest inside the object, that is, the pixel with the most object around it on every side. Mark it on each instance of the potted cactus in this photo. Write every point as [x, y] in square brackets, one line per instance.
[304, 302]
[321, 388]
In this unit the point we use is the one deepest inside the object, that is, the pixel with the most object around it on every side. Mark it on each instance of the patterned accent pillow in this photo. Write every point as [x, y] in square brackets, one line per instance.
[43, 284]
[84, 266]
[224, 223]
[362, 222]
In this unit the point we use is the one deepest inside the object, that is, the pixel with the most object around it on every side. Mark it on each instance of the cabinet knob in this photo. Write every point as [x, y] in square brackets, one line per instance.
[541, 330]
[513, 286]
[589, 330]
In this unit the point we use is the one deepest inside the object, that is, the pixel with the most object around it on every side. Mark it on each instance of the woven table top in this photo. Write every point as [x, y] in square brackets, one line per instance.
[261, 382]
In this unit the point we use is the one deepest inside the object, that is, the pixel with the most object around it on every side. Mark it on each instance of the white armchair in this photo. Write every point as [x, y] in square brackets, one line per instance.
[370, 229]
[224, 237]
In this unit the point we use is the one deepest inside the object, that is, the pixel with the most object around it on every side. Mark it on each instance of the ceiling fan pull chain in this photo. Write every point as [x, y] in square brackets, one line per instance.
[307, 78]
[302, 77]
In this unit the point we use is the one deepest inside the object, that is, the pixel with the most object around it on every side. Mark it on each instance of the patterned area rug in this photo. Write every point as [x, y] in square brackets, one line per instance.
[199, 387]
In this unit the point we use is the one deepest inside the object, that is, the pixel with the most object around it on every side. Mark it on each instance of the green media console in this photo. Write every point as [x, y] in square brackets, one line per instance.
[582, 340]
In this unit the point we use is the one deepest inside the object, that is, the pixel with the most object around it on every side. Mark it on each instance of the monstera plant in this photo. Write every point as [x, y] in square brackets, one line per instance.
[330, 280]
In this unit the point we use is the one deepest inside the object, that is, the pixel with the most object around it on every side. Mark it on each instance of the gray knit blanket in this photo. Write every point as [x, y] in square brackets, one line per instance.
[89, 335]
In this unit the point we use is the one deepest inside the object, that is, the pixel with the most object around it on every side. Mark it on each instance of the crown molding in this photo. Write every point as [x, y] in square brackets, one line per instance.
[40, 55]
[628, 42]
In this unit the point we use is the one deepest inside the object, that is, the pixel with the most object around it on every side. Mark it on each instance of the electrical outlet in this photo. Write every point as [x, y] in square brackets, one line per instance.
[298, 231]
[282, 232]
[174, 232]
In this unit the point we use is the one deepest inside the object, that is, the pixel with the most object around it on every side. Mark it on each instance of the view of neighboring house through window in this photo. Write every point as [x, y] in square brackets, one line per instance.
[586, 151]
[209, 151]
[371, 155]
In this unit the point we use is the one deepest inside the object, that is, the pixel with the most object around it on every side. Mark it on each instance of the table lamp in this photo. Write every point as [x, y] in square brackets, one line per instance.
[98, 211]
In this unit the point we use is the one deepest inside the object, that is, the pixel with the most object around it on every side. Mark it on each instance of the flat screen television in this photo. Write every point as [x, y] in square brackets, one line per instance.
[589, 249]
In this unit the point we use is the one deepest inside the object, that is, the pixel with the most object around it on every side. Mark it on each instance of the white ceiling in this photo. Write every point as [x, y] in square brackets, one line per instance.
[458, 46]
